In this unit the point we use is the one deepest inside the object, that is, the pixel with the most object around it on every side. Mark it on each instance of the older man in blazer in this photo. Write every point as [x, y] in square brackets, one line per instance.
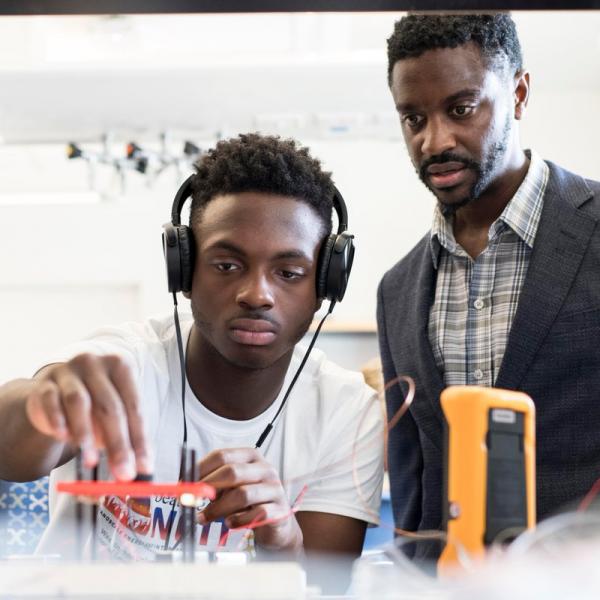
[504, 290]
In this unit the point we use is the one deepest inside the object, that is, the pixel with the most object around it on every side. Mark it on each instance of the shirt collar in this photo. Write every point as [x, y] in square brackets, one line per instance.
[441, 236]
[521, 214]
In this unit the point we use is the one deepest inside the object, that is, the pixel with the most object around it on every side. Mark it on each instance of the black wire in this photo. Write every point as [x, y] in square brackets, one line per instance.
[79, 508]
[94, 519]
[171, 518]
[269, 427]
[182, 364]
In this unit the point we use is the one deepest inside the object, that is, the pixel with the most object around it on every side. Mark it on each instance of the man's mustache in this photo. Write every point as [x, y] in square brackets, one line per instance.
[445, 157]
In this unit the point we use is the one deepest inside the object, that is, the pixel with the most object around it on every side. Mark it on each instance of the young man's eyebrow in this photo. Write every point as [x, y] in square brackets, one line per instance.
[283, 255]
[224, 245]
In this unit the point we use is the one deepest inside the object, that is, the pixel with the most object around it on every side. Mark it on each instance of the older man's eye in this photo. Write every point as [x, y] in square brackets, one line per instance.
[412, 120]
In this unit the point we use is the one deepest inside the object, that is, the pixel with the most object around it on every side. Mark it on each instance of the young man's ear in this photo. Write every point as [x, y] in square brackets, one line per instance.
[521, 93]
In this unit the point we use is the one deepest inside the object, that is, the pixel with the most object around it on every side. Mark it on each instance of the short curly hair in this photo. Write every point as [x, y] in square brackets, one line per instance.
[259, 163]
[495, 34]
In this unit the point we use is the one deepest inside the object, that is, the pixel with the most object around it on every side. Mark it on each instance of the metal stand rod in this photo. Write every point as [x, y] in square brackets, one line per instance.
[94, 519]
[78, 510]
[188, 512]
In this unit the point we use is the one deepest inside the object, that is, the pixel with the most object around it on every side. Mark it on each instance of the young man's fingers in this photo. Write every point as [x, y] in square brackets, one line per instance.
[219, 458]
[260, 516]
[241, 499]
[236, 474]
[76, 405]
[125, 386]
[44, 410]
[255, 515]
[110, 417]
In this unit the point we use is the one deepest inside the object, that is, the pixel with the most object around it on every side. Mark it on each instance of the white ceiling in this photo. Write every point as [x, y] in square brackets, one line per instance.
[64, 78]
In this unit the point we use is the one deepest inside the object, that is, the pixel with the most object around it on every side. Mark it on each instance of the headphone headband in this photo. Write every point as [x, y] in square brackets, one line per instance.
[185, 191]
[340, 208]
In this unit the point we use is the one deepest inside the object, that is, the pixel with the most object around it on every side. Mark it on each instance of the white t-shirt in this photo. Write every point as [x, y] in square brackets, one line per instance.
[328, 438]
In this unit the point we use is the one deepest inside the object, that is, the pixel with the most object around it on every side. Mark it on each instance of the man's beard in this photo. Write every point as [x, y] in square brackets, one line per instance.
[484, 172]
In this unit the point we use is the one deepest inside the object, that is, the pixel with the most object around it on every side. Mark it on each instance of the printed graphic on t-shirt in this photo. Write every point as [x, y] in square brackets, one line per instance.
[139, 528]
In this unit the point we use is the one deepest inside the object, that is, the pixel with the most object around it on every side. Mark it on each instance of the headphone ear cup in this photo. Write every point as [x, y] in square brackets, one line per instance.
[187, 254]
[341, 257]
[170, 241]
[323, 268]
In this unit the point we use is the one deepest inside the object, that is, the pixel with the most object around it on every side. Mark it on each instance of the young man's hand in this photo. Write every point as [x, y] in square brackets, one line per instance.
[91, 402]
[249, 493]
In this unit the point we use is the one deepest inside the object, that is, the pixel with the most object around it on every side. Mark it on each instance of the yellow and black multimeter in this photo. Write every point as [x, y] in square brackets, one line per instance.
[489, 475]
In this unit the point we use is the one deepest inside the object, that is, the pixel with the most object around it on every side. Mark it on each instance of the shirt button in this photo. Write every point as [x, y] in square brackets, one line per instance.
[478, 374]
[479, 304]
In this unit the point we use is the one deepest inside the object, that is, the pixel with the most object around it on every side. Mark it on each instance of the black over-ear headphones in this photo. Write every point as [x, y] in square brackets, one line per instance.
[333, 268]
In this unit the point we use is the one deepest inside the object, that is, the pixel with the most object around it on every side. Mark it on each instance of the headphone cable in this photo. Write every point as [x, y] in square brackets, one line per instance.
[171, 518]
[183, 376]
[269, 427]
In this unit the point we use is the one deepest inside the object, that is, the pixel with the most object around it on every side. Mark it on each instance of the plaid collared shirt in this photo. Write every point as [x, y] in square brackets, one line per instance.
[476, 299]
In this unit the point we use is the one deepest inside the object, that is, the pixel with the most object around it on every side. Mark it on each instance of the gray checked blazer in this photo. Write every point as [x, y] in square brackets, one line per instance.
[552, 354]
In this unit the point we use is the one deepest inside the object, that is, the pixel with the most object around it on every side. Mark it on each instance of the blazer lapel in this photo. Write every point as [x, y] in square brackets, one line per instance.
[562, 238]
[430, 379]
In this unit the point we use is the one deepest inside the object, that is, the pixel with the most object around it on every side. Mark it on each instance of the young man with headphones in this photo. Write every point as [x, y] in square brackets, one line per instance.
[295, 456]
